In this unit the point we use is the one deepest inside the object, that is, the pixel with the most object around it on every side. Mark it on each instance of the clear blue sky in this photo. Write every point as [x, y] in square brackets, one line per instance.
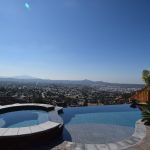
[106, 40]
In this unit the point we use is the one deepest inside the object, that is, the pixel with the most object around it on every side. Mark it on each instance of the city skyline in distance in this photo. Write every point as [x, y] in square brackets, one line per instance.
[75, 40]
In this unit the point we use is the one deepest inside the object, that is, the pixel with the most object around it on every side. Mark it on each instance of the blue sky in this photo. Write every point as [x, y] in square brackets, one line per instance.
[107, 40]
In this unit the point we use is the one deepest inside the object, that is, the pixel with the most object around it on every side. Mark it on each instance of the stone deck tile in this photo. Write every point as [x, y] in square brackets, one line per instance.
[35, 129]
[11, 132]
[144, 144]
[102, 147]
[79, 147]
[69, 145]
[113, 146]
[2, 131]
[122, 144]
[48, 125]
[91, 147]
[24, 130]
[133, 148]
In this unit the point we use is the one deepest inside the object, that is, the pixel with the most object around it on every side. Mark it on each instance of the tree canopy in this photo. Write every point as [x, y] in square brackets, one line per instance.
[146, 77]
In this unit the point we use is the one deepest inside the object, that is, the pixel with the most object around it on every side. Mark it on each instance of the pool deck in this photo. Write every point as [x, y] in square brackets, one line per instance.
[140, 140]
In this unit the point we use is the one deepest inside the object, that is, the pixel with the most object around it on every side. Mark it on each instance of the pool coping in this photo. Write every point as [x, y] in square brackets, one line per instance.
[30, 130]
[136, 138]
[25, 106]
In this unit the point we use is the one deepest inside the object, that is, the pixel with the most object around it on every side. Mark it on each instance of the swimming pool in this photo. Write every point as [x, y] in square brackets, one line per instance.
[99, 124]
[91, 125]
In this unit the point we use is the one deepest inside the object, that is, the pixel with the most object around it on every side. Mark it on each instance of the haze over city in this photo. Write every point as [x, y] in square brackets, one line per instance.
[100, 40]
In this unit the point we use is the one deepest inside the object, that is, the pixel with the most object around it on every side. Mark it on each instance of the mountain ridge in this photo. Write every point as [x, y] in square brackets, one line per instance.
[85, 82]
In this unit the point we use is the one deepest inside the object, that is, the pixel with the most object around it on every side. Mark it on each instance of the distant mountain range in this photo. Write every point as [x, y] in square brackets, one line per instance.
[26, 78]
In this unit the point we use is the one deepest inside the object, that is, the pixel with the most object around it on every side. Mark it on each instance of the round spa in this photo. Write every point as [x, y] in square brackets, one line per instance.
[23, 124]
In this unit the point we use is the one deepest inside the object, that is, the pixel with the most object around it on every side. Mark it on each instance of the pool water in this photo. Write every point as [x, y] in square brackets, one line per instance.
[91, 125]
[99, 124]
[23, 118]
[122, 115]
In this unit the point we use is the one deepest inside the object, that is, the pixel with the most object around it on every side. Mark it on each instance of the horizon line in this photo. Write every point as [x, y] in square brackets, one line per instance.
[28, 77]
